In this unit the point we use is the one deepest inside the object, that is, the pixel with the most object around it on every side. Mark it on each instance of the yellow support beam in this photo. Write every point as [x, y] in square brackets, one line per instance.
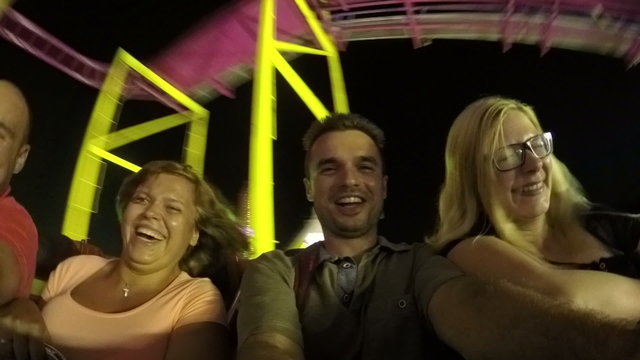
[338, 89]
[113, 158]
[268, 57]
[161, 83]
[137, 132]
[101, 137]
[261, 148]
[196, 144]
[291, 47]
[86, 182]
[308, 97]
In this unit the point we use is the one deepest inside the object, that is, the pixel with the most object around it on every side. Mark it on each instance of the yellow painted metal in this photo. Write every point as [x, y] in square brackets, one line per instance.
[338, 89]
[100, 138]
[137, 132]
[162, 84]
[323, 38]
[261, 215]
[113, 158]
[196, 143]
[86, 183]
[261, 219]
[3, 5]
[310, 99]
[291, 47]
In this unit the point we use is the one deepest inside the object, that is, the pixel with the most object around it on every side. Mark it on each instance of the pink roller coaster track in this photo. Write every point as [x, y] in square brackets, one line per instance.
[219, 52]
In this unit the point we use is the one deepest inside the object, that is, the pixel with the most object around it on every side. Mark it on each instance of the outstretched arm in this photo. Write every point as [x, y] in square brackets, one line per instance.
[492, 259]
[268, 324]
[199, 341]
[9, 273]
[269, 346]
[483, 320]
[22, 331]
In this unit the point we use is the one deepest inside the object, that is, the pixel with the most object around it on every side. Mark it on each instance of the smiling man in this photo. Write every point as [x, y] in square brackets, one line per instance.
[360, 295]
[18, 235]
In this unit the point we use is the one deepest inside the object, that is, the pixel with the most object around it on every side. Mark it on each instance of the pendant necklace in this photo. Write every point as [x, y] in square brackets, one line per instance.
[125, 290]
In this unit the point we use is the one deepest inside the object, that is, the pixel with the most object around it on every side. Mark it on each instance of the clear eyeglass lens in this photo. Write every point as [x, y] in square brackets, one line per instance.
[508, 157]
[540, 146]
[511, 156]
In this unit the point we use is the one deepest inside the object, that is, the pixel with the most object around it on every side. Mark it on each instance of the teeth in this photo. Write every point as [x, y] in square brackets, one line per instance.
[350, 200]
[533, 187]
[149, 233]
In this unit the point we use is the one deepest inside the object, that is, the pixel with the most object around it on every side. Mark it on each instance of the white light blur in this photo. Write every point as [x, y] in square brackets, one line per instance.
[312, 237]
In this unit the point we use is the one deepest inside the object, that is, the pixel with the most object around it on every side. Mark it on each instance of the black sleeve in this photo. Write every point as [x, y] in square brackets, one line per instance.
[616, 229]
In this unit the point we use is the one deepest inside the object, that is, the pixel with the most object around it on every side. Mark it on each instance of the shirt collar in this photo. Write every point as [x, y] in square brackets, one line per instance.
[382, 243]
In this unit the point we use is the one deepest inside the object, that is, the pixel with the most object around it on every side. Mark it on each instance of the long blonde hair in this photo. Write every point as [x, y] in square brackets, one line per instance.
[465, 202]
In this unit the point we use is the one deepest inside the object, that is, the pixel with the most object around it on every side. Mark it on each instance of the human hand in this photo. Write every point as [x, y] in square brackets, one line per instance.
[22, 331]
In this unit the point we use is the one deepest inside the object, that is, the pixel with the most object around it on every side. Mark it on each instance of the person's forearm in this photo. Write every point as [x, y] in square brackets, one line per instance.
[9, 274]
[499, 321]
[616, 296]
[269, 347]
[199, 341]
[8, 286]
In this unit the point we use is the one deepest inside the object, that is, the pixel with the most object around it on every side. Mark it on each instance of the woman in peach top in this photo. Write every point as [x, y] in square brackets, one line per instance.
[146, 304]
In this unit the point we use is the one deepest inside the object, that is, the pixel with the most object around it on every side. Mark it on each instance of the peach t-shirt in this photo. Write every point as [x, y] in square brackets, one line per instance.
[141, 333]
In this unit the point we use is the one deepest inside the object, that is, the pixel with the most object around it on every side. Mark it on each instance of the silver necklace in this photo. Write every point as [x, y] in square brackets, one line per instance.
[125, 290]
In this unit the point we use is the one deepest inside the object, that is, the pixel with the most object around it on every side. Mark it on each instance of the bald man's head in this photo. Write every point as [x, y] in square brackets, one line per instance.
[10, 93]
[15, 125]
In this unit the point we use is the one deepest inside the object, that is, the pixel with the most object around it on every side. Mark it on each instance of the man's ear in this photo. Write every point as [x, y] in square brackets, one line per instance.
[21, 159]
[308, 187]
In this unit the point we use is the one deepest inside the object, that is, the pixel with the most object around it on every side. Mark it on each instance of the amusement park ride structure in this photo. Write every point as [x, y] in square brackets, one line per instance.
[251, 38]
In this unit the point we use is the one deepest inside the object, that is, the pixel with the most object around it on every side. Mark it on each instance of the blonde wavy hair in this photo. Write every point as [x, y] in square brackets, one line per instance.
[466, 204]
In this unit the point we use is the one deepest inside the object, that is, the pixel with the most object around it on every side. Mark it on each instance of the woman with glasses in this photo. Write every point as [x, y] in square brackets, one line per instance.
[510, 210]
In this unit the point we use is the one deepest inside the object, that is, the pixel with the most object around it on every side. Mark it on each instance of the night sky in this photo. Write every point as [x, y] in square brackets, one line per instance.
[590, 103]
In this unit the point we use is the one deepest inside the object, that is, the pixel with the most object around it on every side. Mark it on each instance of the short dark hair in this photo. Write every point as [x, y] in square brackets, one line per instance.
[341, 122]
[221, 235]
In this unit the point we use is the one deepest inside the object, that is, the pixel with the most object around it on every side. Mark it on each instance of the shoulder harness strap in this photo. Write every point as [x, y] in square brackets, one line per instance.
[305, 263]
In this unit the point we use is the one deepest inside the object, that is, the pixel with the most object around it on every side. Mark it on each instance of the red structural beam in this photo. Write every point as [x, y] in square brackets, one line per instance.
[610, 27]
[219, 52]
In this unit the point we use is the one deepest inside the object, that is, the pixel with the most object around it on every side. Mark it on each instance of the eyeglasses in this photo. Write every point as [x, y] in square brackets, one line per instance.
[512, 156]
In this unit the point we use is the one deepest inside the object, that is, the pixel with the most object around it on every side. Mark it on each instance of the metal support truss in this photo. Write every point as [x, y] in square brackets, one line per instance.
[263, 129]
[100, 138]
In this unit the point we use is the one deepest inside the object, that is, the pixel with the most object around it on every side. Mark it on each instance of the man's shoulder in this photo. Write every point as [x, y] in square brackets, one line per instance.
[414, 249]
[16, 224]
[10, 208]
[404, 256]
[277, 259]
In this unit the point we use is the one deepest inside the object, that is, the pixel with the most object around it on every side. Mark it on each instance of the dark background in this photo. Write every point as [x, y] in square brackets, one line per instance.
[589, 101]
